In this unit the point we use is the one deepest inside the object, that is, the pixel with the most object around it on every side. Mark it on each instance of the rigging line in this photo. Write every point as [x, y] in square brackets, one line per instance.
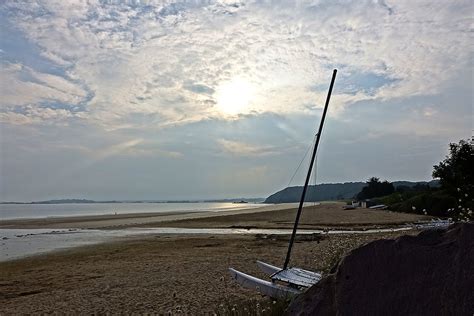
[313, 175]
[315, 172]
[299, 165]
[308, 176]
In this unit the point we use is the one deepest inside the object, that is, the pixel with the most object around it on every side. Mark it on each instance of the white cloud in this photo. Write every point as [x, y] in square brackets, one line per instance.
[167, 60]
[130, 148]
[244, 149]
[37, 115]
[22, 85]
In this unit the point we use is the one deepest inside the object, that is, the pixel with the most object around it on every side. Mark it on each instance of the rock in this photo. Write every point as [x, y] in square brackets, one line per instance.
[428, 274]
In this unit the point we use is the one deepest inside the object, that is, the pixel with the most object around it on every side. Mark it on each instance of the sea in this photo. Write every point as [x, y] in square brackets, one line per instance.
[18, 243]
[24, 211]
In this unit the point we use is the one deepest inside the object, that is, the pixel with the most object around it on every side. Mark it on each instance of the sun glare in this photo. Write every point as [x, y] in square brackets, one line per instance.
[234, 97]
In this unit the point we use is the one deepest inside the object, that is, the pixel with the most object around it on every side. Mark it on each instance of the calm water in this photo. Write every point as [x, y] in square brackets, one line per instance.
[18, 243]
[11, 211]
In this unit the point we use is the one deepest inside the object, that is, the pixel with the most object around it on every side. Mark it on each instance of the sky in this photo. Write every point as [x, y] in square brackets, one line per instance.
[204, 99]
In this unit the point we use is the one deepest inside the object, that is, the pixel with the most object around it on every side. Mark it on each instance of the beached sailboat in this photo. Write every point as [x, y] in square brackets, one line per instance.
[287, 281]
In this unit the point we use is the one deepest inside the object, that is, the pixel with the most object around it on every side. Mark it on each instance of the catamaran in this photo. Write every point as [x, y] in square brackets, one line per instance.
[287, 281]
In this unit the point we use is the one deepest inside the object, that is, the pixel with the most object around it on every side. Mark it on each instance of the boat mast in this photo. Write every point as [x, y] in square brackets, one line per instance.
[308, 176]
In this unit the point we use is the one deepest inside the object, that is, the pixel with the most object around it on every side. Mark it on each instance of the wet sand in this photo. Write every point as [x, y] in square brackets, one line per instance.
[162, 273]
[278, 216]
[156, 274]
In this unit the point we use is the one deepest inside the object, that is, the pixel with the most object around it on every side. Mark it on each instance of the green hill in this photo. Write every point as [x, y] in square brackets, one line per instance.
[329, 191]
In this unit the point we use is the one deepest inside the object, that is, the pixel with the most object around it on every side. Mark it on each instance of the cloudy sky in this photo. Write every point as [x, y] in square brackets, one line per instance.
[193, 99]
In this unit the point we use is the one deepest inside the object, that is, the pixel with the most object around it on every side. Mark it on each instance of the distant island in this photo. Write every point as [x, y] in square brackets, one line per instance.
[86, 201]
[62, 201]
[320, 192]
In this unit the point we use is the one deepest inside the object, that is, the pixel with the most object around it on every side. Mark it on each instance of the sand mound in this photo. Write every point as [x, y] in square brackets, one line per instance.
[428, 274]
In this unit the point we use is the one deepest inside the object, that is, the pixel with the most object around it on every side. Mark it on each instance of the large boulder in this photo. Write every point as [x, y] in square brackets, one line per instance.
[428, 274]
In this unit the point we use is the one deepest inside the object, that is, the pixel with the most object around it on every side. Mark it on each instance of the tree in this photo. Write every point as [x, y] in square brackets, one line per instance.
[375, 188]
[454, 198]
[456, 176]
[456, 172]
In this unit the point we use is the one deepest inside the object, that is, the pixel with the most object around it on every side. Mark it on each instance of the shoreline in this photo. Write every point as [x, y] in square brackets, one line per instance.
[125, 220]
[24, 243]
[187, 273]
[31, 237]
[327, 215]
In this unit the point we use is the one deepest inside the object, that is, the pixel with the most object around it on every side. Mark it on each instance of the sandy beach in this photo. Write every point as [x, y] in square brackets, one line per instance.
[188, 274]
[275, 216]
[322, 216]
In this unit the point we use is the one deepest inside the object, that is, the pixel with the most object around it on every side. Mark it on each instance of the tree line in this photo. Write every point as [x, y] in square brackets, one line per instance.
[453, 198]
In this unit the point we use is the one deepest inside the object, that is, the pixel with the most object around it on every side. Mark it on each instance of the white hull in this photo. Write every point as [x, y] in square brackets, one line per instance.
[263, 287]
[435, 224]
[267, 268]
[296, 280]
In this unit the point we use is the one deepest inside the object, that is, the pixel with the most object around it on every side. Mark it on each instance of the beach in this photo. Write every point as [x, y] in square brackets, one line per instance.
[162, 273]
[118, 221]
[275, 216]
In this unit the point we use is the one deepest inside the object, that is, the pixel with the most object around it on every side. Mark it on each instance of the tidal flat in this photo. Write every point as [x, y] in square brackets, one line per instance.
[162, 273]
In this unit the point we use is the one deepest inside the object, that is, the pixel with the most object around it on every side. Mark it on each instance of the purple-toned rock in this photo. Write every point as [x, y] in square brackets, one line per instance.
[428, 274]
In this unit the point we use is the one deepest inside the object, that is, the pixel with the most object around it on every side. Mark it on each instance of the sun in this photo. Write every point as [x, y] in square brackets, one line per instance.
[234, 97]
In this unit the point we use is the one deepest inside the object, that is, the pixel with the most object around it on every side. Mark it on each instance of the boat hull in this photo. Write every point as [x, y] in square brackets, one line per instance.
[267, 288]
